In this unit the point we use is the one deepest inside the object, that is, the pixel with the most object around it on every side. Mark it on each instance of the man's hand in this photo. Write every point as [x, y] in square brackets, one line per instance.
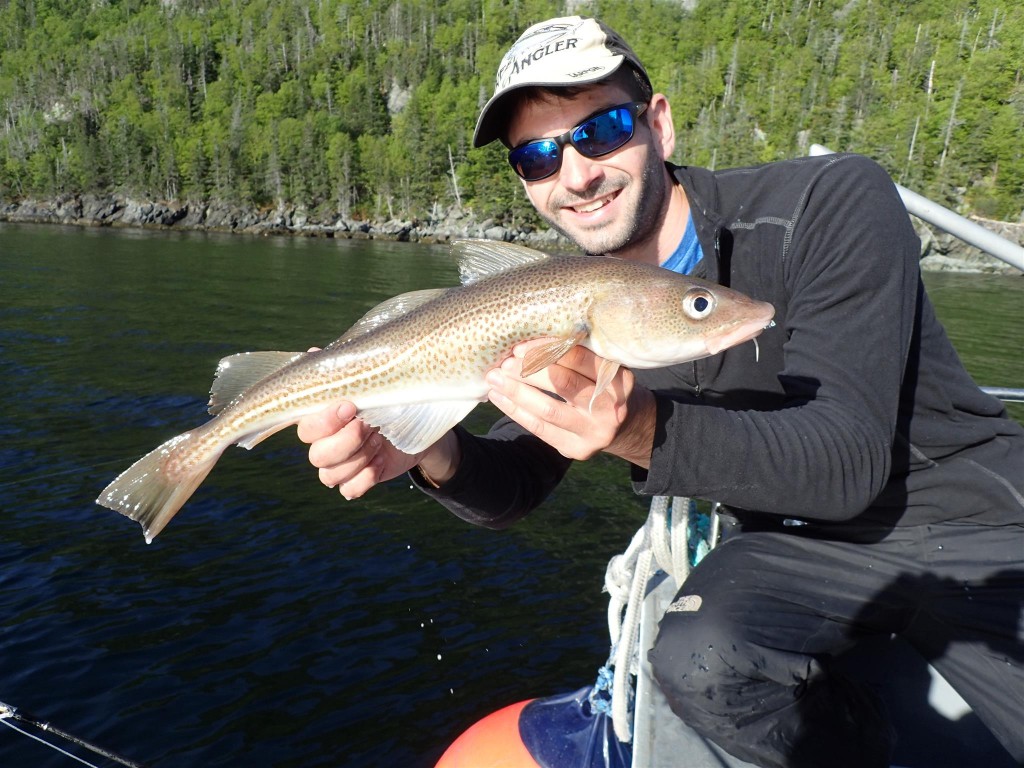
[353, 457]
[350, 455]
[620, 422]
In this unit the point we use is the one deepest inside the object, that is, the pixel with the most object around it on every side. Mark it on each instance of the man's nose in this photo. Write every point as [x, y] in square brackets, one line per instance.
[578, 172]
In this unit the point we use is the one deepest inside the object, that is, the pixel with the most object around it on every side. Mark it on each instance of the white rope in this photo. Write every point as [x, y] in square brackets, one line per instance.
[625, 658]
[680, 537]
[662, 543]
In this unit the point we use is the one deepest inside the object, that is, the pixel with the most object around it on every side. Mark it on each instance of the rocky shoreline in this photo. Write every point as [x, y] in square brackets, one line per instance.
[117, 211]
[939, 250]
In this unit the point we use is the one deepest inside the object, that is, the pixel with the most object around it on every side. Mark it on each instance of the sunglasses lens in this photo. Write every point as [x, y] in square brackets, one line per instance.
[535, 160]
[604, 133]
[597, 136]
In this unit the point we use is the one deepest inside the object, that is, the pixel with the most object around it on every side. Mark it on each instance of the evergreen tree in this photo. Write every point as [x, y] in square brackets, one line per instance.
[366, 108]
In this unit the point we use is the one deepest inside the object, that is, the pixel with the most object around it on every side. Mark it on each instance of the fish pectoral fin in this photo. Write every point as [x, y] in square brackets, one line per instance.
[605, 373]
[412, 428]
[541, 357]
[237, 373]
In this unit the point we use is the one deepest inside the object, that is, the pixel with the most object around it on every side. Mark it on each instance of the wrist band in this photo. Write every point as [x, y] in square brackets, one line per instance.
[426, 478]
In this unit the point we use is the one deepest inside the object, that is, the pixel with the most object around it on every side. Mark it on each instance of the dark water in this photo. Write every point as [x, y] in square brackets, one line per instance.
[274, 624]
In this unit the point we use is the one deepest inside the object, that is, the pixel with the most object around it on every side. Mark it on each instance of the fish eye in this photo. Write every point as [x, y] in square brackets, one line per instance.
[698, 304]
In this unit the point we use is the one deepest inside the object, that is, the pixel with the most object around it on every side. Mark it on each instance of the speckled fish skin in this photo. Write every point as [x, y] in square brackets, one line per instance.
[415, 366]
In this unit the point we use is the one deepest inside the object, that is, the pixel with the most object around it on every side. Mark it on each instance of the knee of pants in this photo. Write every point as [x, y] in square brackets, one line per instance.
[705, 665]
[687, 657]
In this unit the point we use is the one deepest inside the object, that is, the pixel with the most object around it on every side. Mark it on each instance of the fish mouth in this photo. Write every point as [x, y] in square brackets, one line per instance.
[742, 333]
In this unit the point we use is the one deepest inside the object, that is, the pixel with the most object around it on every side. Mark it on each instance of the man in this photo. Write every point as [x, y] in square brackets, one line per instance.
[870, 487]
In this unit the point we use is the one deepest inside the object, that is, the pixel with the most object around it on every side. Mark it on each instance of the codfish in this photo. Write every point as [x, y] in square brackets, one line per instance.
[414, 366]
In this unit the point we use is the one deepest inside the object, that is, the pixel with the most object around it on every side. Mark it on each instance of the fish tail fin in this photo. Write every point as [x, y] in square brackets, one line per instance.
[154, 488]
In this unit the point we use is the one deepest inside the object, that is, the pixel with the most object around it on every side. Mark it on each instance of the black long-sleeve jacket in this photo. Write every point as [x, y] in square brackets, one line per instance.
[857, 409]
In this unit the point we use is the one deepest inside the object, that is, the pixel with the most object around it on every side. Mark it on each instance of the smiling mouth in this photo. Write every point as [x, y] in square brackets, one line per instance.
[594, 205]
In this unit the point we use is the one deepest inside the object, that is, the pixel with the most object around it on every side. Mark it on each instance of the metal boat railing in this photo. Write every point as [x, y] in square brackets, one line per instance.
[971, 233]
[949, 221]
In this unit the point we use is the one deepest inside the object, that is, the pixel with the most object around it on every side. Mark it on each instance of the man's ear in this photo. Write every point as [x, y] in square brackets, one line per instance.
[659, 117]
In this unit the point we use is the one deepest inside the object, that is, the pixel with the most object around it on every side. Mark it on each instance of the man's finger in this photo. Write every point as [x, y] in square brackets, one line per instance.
[533, 408]
[342, 456]
[363, 481]
[326, 422]
[566, 382]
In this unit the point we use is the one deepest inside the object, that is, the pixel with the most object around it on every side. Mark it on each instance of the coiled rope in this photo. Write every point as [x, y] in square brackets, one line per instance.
[663, 543]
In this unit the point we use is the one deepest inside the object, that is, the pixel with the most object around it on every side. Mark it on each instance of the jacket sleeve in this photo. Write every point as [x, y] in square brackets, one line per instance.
[502, 476]
[850, 280]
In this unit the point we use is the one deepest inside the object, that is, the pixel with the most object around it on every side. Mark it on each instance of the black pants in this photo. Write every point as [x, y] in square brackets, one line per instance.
[744, 653]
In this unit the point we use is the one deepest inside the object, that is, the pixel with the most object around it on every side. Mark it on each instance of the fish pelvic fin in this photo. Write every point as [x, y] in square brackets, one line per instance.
[539, 358]
[154, 488]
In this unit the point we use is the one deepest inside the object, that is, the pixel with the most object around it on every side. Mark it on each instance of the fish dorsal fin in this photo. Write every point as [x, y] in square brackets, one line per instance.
[237, 373]
[412, 428]
[387, 311]
[479, 259]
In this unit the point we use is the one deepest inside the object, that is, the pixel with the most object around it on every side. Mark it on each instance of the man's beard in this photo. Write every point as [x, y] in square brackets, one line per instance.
[636, 226]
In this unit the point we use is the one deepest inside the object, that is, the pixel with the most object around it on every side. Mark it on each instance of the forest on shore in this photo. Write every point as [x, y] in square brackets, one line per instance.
[364, 109]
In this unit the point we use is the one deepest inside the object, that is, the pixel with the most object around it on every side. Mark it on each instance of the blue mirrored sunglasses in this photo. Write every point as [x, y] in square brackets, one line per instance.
[598, 135]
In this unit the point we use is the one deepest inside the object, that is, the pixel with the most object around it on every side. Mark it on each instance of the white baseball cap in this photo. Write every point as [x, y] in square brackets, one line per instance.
[571, 50]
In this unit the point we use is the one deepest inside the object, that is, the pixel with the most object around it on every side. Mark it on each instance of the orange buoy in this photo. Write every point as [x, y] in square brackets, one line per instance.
[493, 742]
[562, 731]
